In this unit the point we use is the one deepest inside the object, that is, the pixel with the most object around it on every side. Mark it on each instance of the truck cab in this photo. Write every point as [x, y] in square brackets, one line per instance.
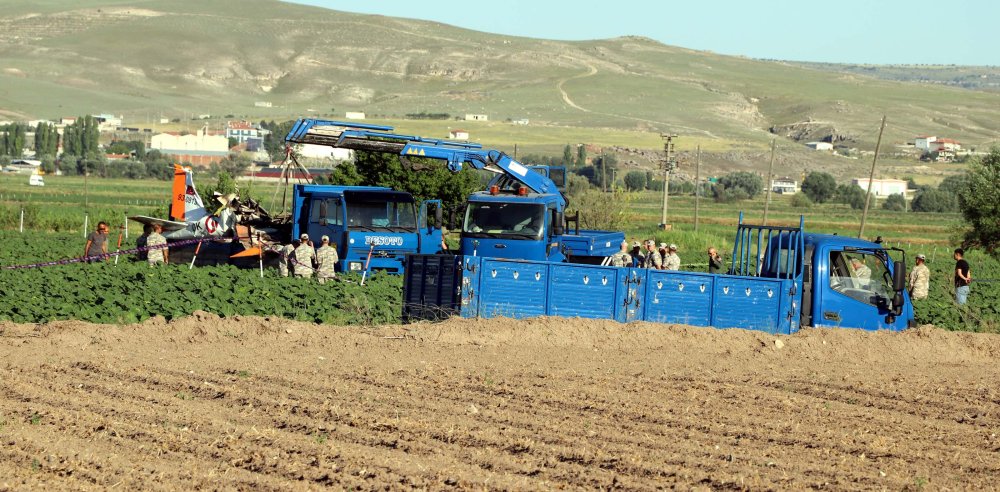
[850, 282]
[529, 226]
[366, 219]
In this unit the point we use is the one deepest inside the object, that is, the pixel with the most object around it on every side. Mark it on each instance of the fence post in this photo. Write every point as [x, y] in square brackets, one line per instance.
[22, 220]
[86, 218]
[126, 226]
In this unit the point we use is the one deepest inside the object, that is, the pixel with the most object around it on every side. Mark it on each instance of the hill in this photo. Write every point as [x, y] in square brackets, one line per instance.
[180, 58]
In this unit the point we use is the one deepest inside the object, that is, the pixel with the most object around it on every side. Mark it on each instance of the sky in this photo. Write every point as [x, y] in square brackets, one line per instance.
[960, 32]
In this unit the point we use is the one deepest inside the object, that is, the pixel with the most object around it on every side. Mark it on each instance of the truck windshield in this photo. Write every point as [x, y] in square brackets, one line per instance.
[861, 275]
[519, 220]
[373, 215]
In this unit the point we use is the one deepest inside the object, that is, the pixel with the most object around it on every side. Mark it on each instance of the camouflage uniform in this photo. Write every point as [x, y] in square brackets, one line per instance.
[621, 259]
[286, 254]
[653, 260]
[672, 262]
[920, 280]
[155, 255]
[304, 256]
[327, 258]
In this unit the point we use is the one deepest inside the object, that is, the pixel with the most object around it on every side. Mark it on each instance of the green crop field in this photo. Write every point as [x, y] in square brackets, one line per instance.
[132, 291]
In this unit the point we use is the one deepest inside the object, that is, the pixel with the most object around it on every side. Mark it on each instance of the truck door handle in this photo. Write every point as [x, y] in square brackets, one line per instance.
[501, 246]
[831, 315]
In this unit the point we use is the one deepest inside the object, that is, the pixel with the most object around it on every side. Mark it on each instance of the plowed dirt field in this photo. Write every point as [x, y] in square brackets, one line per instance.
[269, 404]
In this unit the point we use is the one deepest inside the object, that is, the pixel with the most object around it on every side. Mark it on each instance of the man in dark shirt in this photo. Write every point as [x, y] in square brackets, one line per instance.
[714, 261]
[97, 241]
[963, 277]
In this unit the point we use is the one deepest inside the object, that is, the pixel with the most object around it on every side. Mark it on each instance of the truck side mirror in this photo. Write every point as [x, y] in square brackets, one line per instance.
[438, 216]
[557, 223]
[898, 276]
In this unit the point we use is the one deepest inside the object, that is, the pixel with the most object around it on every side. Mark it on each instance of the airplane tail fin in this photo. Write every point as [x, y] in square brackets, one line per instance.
[187, 204]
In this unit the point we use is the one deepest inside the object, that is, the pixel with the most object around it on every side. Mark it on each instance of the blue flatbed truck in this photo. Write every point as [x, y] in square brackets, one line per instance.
[779, 279]
[520, 216]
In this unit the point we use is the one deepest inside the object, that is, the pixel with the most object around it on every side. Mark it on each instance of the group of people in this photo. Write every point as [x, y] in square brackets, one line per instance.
[152, 244]
[663, 258]
[920, 278]
[302, 258]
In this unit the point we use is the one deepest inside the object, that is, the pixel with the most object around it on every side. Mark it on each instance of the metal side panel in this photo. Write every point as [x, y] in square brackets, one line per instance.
[430, 287]
[675, 297]
[748, 302]
[512, 289]
[470, 294]
[583, 291]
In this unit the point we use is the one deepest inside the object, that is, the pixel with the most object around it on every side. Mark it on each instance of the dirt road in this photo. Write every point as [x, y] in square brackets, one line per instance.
[250, 403]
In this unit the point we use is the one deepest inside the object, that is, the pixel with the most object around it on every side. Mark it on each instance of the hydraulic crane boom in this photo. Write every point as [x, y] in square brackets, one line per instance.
[378, 138]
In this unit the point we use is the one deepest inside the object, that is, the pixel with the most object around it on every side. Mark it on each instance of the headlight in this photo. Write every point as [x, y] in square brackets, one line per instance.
[355, 266]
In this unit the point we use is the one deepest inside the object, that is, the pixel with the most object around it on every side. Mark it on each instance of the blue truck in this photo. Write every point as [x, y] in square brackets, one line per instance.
[363, 220]
[779, 279]
[521, 214]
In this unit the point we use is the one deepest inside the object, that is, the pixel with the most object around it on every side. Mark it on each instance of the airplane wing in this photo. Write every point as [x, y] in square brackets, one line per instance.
[168, 225]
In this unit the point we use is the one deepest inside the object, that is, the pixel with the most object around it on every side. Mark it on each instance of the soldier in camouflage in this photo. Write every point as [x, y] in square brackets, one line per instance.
[920, 279]
[286, 255]
[303, 257]
[653, 259]
[622, 258]
[326, 258]
[671, 261]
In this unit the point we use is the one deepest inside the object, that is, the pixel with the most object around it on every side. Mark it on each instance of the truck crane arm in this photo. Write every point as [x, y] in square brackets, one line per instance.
[379, 138]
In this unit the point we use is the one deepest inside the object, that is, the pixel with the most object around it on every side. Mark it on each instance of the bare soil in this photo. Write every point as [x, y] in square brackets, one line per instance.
[270, 404]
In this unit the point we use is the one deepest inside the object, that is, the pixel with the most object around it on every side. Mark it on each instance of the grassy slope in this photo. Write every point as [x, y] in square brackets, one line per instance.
[208, 57]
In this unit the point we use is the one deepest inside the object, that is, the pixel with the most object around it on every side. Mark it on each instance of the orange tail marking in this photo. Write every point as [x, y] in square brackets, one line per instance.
[179, 192]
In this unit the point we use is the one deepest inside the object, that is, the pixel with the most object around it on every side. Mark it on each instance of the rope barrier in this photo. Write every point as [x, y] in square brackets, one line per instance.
[104, 256]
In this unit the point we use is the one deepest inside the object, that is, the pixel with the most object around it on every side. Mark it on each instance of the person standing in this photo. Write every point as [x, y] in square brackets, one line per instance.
[97, 242]
[637, 258]
[158, 252]
[326, 258]
[714, 260]
[622, 258]
[672, 261]
[304, 257]
[920, 279]
[653, 259]
[963, 277]
[286, 256]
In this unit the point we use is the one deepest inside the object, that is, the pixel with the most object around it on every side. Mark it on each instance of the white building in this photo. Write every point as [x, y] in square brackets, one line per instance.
[476, 117]
[883, 187]
[458, 135]
[262, 104]
[820, 145]
[354, 115]
[198, 142]
[520, 121]
[311, 151]
[930, 143]
[784, 186]
[246, 132]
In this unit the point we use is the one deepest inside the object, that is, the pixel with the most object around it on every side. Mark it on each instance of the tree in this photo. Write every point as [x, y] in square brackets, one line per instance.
[581, 155]
[274, 141]
[82, 137]
[934, 201]
[851, 195]
[740, 185]
[980, 202]
[232, 164]
[801, 200]
[46, 139]
[895, 202]
[567, 156]
[954, 185]
[345, 174]
[635, 181]
[13, 140]
[819, 186]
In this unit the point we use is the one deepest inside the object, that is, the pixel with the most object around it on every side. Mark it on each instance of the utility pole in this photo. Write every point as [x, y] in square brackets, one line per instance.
[668, 165]
[697, 186]
[770, 170]
[871, 177]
